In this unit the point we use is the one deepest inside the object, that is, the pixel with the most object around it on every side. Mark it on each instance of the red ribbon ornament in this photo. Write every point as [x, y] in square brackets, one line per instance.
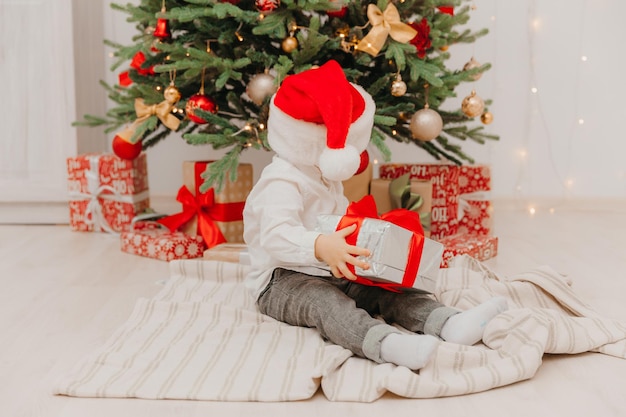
[208, 211]
[366, 208]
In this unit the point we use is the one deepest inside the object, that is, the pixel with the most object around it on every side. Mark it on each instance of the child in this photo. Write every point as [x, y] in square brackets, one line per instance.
[318, 125]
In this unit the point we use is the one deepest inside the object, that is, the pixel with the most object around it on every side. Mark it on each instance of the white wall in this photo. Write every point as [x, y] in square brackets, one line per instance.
[544, 150]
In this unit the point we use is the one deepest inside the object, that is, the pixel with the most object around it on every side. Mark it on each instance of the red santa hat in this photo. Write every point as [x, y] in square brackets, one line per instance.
[319, 118]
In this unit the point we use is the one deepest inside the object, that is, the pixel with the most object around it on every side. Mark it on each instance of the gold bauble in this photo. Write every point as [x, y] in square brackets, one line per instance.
[443, 48]
[426, 124]
[473, 105]
[398, 87]
[290, 43]
[260, 87]
[471, 64]
[486, 117]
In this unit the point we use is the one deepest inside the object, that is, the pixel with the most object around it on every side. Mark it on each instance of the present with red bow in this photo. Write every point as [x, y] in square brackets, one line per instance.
[401, 257]
[106, 192]
[153, 240]
[217, 217]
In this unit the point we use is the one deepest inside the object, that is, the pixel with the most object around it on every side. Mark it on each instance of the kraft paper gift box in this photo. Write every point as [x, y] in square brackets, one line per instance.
[401, 259]
[228, 252]
[153, 240]
[106, 192]
[415, 195]
[445, 194]
[358, 186]
[217, 217]
[480, 247]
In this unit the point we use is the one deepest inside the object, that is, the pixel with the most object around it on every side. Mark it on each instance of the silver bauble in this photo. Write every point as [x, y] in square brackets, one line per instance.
[426, 124]
[260, 87]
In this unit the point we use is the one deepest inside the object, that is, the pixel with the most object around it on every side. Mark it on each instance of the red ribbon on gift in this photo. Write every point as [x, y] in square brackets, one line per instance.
[366, 208]
[208, 211]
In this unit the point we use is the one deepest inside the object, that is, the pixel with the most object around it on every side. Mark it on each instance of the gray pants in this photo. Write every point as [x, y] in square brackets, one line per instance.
[343, 311]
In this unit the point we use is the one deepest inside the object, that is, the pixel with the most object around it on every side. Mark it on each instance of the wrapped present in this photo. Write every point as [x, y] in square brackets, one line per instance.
[474, 178]
[475, 208]
[358, 186]
[401, 257]
[217, 217]
[153, 240]
[445, 193]
[228, 252]
[480, 247]
[475, 214]
[402, 192]
[106, 192]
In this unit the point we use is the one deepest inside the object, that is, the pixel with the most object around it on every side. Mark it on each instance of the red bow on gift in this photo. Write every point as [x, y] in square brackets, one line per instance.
[208, 211]
[407, 219]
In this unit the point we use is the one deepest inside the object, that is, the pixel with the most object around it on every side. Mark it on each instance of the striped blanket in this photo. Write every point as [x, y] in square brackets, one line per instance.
[201, 338]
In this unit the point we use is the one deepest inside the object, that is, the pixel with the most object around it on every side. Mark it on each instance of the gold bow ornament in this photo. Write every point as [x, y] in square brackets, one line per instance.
[384, 24]
[162, 110]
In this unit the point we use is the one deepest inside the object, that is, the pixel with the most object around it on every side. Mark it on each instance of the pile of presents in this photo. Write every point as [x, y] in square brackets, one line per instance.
[109, 194]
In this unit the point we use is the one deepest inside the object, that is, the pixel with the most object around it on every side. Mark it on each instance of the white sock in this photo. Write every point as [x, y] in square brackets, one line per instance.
[410, 350]
[467, 327]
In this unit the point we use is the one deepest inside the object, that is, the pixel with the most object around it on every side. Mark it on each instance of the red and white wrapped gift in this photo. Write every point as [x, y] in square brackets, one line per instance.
[475, 214]
[475, 207]
[106, 192]
[445, 194]
[401, 257]
[480, 247]
[153, 240]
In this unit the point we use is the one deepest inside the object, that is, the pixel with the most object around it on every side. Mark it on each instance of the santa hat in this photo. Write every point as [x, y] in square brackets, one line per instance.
[319, 118]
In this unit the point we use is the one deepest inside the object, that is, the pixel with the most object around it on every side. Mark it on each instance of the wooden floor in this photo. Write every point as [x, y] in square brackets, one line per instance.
[63, 293]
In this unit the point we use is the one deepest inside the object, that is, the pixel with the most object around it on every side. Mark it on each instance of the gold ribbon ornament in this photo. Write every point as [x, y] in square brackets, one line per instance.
[162, 110]
[384, 24]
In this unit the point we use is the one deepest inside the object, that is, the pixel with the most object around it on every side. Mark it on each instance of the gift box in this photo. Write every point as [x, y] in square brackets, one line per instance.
[358, 186]
[473, 178]
[153, 240]
[445, 192]
[401, 258]
[106, 192]
[414, 195]
[228, 252]
[475, 214]
[475, 208]
[216, 216]
[480, 247]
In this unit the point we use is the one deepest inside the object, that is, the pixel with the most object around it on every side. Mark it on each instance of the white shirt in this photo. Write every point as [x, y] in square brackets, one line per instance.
[280, 217]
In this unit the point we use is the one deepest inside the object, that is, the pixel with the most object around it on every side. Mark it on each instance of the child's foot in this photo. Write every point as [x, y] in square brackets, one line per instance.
[411, 350]
[467, 327]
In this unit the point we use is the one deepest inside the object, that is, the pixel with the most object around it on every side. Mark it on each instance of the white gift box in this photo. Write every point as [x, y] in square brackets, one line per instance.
[389, 246]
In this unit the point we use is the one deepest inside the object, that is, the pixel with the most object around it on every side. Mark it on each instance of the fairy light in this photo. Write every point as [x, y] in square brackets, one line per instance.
[534, 90]
[584, 58]
[581, 121]
[532, 210]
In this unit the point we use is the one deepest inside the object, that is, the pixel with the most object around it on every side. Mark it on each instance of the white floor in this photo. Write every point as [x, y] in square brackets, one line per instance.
[63, 293]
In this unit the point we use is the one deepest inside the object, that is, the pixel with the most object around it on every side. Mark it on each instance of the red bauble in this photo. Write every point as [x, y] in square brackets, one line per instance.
[124, 149]
[267, 6]
[341, 13]
[202, 102]
[365, 161]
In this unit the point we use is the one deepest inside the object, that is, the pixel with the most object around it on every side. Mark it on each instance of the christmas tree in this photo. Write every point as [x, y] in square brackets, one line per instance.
[207, 68]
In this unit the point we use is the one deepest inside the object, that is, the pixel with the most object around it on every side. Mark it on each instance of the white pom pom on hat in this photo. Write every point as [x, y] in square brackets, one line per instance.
[319, 118]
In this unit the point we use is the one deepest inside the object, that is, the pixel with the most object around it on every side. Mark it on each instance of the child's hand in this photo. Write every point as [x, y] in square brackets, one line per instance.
[334, 250]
